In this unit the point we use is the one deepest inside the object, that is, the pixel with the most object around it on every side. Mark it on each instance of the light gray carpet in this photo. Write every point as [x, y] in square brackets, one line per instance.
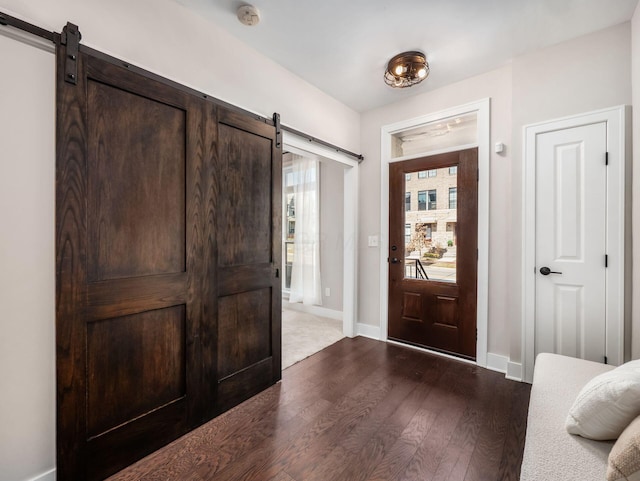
[305, 334]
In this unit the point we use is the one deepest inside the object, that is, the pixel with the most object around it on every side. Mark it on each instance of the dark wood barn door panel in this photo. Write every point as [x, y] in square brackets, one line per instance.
[249, 214]
[136, 300]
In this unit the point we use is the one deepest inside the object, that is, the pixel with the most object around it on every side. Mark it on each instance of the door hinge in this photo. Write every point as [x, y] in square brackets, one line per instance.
[606, 260]
[277, 273]
[478, 175]
[71, 38]
[476, 334]
[606, 360]
[606, 158]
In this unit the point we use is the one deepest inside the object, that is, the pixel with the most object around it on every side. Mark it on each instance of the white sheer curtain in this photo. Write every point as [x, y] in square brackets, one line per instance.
[305, 272]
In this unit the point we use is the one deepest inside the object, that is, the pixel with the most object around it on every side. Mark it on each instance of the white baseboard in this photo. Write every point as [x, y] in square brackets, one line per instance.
[514, 371]
[48, 476]
[511, 370]
[496, 362]
[367, 330]
[315, 310]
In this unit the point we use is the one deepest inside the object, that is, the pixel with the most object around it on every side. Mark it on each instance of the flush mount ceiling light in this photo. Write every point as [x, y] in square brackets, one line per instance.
[248, 15]
[406, 69]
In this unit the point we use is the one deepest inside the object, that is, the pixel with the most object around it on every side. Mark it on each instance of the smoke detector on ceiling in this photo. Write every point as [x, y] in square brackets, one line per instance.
[248, 15]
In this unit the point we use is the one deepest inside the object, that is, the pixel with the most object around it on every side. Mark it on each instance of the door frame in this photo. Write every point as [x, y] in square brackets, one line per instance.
[482, 110]
[617, 198]
[350, 223]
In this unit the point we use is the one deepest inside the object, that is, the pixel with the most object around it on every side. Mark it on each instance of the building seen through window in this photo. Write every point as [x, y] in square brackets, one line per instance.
[430, 224]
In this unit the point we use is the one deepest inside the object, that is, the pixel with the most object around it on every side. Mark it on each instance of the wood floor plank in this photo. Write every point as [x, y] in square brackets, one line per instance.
[514, 439]
[359, 410]
[485, 460]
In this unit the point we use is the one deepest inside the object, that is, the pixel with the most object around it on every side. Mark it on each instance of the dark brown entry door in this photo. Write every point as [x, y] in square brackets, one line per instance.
[167, 307]
[433, 225]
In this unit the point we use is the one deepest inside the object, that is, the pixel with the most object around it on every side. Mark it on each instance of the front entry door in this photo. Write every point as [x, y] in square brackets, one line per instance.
[571, 176]
[433, 239]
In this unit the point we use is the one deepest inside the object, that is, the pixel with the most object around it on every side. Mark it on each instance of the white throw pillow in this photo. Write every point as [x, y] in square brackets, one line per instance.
[607, 404]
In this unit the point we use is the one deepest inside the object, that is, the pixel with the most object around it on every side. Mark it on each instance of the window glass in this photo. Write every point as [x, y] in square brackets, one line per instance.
[430, 228]
[422, 200]
[453, 197]
[437, 135]
[433, 204]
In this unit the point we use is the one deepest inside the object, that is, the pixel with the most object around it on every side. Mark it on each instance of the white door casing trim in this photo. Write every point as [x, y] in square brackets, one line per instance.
[349, 271]
[615, 118]
[482, 110]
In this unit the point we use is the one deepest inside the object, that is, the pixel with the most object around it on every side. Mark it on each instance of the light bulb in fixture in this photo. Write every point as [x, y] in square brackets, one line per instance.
[406, 69]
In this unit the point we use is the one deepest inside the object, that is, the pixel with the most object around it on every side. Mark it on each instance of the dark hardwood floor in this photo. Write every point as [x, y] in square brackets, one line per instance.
[359, 410]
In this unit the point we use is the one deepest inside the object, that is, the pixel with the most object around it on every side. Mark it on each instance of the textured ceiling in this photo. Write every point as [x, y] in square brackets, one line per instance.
[342, 46]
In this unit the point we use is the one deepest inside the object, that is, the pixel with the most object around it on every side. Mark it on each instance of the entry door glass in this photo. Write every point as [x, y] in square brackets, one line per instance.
[431, 215]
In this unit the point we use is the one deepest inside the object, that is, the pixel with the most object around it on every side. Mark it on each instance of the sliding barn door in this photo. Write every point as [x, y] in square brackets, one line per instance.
[249, 232]
[167, 297]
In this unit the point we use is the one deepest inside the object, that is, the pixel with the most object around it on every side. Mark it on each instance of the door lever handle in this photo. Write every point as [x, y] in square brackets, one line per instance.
[545, 271]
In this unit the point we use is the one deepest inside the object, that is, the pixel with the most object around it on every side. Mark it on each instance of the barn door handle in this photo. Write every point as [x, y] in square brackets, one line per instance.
[545, 271]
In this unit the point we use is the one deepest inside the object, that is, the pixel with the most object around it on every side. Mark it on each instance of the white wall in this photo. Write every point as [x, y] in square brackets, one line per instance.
[27, 265]
[331, 232]
[167, 38]
[580, 75]
[635, 72]
[161, 36]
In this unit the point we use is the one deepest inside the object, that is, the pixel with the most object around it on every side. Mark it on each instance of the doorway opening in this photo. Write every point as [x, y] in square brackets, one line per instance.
[433, 134]
[319, 220]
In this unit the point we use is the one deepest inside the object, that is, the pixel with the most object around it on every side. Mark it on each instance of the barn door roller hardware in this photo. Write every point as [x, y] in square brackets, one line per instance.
[71, 38]
[276, 123]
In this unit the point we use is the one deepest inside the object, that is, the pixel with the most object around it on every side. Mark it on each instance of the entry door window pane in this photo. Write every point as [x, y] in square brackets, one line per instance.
[429, 231]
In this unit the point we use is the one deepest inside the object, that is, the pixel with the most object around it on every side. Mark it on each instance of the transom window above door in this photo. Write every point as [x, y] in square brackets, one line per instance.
[432, 136]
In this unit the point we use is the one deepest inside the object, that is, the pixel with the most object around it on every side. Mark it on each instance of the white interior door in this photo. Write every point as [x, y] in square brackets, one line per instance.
[571, 206]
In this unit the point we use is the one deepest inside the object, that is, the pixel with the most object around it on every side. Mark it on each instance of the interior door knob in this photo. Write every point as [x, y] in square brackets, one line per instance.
[395, 260]
[545, 271]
